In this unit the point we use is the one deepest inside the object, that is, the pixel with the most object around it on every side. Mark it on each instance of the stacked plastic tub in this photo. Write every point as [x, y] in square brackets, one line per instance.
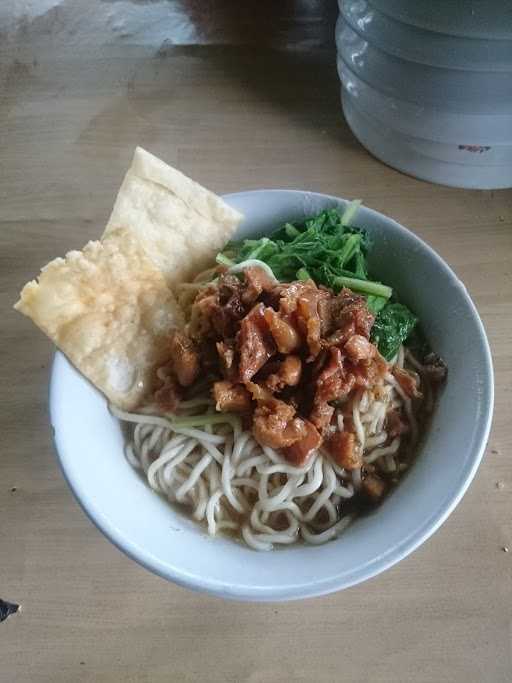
[427, 86]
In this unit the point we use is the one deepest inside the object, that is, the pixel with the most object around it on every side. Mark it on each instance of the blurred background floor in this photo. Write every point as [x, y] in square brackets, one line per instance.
[238, 95]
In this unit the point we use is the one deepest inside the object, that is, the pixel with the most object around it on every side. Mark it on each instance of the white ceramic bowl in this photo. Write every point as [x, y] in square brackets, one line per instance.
[162, 538]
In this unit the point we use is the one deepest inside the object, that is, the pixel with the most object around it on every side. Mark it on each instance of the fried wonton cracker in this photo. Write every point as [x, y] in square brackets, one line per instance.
[109, 309]
[180, 224]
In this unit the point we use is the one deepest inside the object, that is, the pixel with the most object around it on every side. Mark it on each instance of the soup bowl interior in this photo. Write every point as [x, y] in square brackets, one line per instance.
[160, 536]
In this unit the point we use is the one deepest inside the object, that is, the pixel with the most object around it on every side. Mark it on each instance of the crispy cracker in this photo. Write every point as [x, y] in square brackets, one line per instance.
[180, 224]
[108, 308]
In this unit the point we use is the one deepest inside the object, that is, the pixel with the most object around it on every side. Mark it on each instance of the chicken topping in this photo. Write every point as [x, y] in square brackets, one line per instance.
[334, 382]
[288, 373]
[301, 451]
[168, 395]
[276, 425]
[344, 451]
[287, 353]
[359, 348]
[257, 281]
[285, 335]
[226, 352]
[231, 398]
[185, 359]
[254, 342]
[407, 381]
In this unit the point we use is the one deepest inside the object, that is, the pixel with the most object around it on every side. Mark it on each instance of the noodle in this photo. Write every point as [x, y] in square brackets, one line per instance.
[209, 464]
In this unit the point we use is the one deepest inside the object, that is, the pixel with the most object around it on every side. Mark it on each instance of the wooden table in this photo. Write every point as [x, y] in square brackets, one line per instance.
[249, 100]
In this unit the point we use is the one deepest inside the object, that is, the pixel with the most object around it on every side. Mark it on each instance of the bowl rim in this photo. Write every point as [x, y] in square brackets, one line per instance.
[333, 583]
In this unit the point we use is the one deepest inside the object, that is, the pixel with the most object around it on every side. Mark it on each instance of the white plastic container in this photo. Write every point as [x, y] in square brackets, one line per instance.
[432, 104]
[488, 19]
[426, 46]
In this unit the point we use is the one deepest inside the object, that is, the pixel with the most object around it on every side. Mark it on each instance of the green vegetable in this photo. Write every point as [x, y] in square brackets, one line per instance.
[364, 286]
[302, 274]
[392, 326]
[375, 303]
[321, 247]
[224, 260]
[350, 212]
[332, 252]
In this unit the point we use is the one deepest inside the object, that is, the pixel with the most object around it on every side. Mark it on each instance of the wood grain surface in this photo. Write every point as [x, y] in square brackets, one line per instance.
[236, 111]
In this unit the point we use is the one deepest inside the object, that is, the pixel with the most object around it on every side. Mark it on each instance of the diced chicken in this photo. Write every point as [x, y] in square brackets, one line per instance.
[288, 374]
[286, 337]
[350, 312]
[232, 311]
[301, 451]
[380, 366]
[209, 357]
[308, 316]
[226, 353]
[254, 342]
[229, 286]
[359, 348]
[290, 293]
[291, 370]
[297, 339]
[333, 382]
[369, 372]
[335, 388]
[204, 311]
[332, 366]
[185, 359]
[407, 382]
[168, 395]
[374, 487]
[324, 313]
[276, 425]
[231, 308]
[217, 310]
[321, 415]
[259, 392]
[344, 451]
[303, 301]
[340, 336]
[231, 398]
[230, 295]
[256, 281]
